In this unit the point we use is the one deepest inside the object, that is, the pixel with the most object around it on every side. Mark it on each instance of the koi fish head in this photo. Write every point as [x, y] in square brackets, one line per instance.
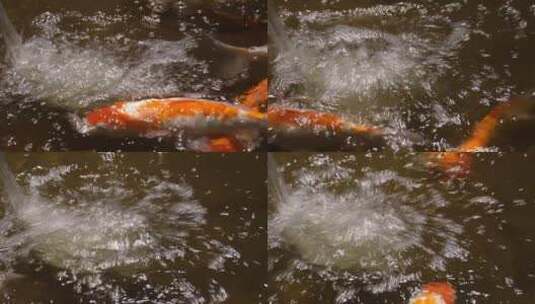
[435, 293]
[108, 116]
[114, 118]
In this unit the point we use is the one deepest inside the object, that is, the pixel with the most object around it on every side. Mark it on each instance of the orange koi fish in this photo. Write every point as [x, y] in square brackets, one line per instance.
[219, 122]
[459, 161]
[256, 97]
[435, 293]
[297, 129]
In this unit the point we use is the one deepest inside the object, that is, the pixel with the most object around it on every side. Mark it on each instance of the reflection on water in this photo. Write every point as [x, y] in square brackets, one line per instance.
[357, 228]
[424, 70]
[126, 228]
[76, 56]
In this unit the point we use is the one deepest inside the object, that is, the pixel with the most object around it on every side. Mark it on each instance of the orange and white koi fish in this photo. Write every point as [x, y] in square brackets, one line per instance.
[256, 97]
[459, 161]
[221, 122]
[300, 129]
[435, 293]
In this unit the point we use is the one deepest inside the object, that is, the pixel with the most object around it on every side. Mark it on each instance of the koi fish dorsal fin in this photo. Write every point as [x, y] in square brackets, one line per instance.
[256, 97]
[485, 129]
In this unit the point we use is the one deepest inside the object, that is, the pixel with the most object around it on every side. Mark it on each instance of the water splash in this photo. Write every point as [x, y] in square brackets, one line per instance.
[77, 71]
[9, 184]
[85, 241]
[357, 64]
[372, 230]
[100, 229]
[380, 63]
[279, 190]
[12, 39]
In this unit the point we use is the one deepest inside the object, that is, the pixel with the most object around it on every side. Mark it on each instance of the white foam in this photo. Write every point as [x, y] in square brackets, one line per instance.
[338, 64]
[103, 226]
[75, 71]
[374, 230]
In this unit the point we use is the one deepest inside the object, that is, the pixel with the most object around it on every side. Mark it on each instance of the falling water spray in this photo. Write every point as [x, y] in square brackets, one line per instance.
[12, 39]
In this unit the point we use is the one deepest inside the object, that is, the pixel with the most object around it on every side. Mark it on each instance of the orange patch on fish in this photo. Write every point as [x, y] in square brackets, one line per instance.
[223, 144]
[484, 130]
[435, 293]
[154, 114]
[313, 120]
[158, 111]
[115, 118]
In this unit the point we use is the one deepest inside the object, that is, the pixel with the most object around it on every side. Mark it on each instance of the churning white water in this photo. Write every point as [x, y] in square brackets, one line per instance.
[10, 36]
[357, 61]
[374, 226]
[90, 232]
[76, 70]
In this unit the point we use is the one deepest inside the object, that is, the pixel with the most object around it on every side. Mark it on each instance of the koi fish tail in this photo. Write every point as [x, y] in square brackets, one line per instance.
[485, 129]
[256, 97]
[435, 293]
[458, 162]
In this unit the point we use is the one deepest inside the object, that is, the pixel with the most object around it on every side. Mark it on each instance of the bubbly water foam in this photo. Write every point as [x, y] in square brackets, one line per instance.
[374, 230]
[101, 228]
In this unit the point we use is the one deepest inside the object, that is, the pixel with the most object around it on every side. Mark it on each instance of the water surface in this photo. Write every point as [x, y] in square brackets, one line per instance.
[78, 55]
[373, 228]
[426, 71]
[133, 228]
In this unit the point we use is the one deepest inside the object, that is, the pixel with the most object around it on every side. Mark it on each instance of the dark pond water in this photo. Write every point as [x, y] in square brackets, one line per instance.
[426, 71]
[372, 228]
[77, 55]
[134, 228]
